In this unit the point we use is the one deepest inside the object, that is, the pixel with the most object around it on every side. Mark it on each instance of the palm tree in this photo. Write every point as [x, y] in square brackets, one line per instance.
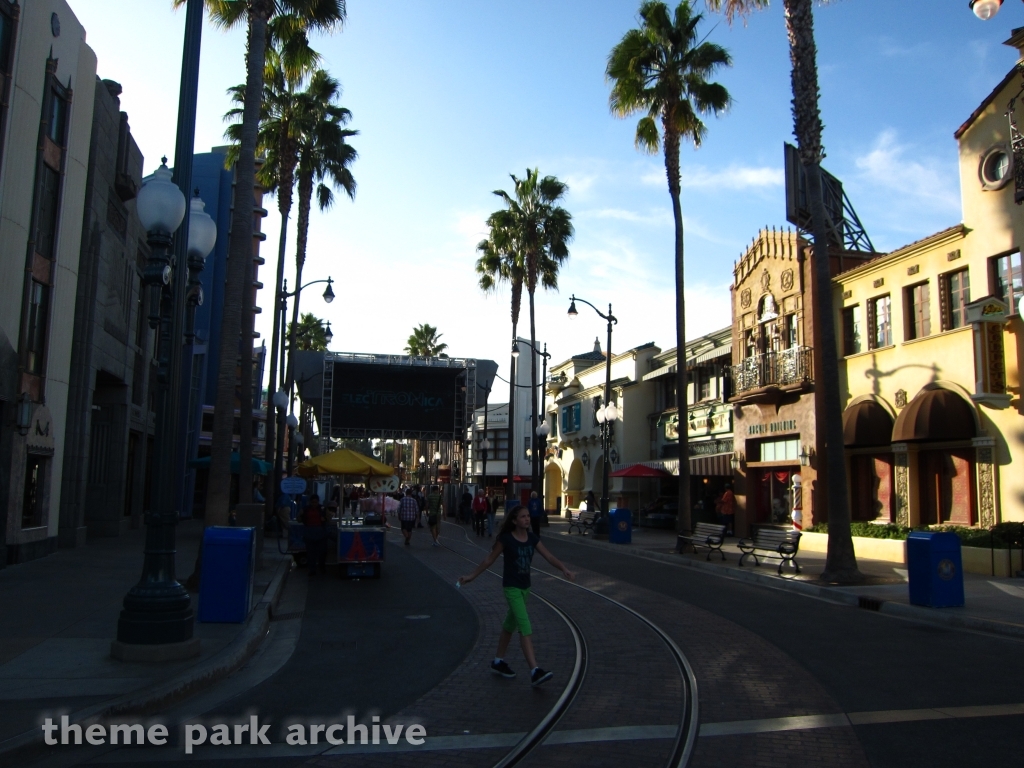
[663, 70]
[281, 127]
[542, 229]
[311, 334]
[424, 341]
[324, 160]
[501, 262]
[288, 21]
[841, 560]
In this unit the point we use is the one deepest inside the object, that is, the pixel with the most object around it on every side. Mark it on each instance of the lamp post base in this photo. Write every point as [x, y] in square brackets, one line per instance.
[188, 649]
[145, 625]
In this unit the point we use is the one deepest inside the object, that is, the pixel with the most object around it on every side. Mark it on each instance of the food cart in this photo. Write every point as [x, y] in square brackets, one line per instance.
[362, 541]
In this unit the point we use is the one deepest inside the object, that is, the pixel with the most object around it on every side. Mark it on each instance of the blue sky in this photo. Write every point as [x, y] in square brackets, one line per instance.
[451, 97]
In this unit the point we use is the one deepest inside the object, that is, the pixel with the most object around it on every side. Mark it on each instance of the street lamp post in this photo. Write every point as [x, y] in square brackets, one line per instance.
[610, 413]
[437, 468]
[281, 403]
[157, 610]
[536, 455]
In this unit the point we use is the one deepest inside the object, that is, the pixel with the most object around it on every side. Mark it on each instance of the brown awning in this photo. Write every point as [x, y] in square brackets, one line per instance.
[866, 424]
[936, 414]
[718, 465]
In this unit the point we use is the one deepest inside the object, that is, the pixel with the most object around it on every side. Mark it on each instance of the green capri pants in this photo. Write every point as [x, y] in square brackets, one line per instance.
[516, 618]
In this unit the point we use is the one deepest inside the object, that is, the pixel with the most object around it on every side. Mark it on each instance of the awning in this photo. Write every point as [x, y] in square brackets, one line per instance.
[668, 370]
[343, 462]
[640, 470]
[711, 354]
[717, 465]
[258, 467]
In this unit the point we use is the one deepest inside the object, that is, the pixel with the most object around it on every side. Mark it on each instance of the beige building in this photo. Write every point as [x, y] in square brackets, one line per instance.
[574, 463]
[933, 338]
[47, 75]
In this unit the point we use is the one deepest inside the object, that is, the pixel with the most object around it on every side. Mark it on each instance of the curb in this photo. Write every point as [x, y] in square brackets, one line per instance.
[829, 594]
[203, 675]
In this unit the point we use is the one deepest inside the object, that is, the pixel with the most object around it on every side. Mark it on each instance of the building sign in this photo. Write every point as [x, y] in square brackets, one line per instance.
[709, 421]
[39, 439]
[710, 447]
[772, 427]
[701, 420]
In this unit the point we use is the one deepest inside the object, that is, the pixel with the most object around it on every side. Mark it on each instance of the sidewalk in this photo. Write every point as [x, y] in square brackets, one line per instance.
[60, 615]
[990, 604]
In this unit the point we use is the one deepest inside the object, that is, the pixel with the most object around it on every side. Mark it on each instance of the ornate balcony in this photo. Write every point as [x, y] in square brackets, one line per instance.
[791, 368]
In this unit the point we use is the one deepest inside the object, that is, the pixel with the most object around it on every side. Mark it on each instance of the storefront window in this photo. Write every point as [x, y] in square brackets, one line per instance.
[32, 505]
[780, 450]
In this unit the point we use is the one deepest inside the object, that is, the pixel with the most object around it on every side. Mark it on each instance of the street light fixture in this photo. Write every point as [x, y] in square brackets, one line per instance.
[985, 9]
[158, 610]
[275, 429]
[539, 415]
[328, 336]
[609, 412]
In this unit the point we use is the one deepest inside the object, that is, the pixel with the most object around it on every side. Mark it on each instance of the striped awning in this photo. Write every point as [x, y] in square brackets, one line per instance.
[668, 370]
[717, 465]
[711, 354]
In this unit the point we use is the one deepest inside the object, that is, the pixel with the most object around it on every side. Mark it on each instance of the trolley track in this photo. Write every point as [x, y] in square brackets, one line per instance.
[686, 731]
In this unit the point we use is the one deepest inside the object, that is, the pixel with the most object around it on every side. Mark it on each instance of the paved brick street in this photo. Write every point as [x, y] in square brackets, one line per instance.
[782, 679]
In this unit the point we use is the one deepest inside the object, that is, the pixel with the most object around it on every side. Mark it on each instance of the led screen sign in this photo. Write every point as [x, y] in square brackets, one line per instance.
[394, 397]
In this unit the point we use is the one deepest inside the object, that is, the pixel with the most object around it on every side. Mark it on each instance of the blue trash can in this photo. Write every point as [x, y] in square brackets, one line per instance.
[225, 587]
[620, 526]
[935, 569]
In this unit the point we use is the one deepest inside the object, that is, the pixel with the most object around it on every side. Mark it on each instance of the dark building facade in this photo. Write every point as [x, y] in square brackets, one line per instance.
[109, 420]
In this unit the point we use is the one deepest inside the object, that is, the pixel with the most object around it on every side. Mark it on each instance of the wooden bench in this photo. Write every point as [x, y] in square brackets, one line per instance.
[583, 522]
[772, 542]
[706, 535]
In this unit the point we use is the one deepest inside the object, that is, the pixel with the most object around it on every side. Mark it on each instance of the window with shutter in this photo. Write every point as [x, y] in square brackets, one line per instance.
[957, 297]
[918, 312]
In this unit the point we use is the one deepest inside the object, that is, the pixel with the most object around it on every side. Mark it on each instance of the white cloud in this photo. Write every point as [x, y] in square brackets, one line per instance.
[732, 177]
[471, 227]
[655, 217]
[890, 165]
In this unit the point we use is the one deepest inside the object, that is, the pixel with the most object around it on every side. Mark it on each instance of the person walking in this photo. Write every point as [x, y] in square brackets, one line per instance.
[492, 511]
[421, 499]
[434, 512]
[517, 543]
[315, 536]
[408, 513]
[479, 512]
[727, 508]
[465, 506]
[536, 508]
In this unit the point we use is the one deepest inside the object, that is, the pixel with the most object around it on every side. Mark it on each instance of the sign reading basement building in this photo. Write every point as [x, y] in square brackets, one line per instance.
[394, 397]
[772, 427]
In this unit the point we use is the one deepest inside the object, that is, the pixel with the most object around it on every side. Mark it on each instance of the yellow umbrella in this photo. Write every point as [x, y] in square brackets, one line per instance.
[343, 462]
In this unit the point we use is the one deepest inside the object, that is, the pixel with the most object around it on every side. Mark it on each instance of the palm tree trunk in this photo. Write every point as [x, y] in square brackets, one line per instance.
[534, 458]
[840, 561]
[218, 495]
[683, 522]
[301, 238]
[271, 441]
[245, 389]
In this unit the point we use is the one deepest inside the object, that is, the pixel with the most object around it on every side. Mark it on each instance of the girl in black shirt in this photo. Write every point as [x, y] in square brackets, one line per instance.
[518, 543]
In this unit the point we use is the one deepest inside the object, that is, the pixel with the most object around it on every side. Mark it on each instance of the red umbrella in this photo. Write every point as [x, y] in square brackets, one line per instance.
[640, 470]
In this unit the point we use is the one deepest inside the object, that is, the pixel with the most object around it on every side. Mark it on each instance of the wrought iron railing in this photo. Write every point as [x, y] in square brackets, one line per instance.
[790, 366]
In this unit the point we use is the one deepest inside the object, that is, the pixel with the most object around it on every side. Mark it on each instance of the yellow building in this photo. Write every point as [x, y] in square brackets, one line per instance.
[932, 339]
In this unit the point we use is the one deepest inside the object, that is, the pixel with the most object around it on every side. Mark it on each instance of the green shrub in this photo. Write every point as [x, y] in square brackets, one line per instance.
[1000, 536]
